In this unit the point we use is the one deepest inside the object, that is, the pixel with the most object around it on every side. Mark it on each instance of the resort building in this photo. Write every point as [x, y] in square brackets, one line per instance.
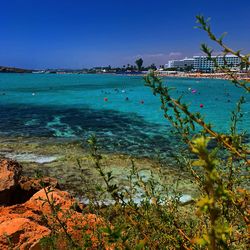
[202, 63]
[181, 64]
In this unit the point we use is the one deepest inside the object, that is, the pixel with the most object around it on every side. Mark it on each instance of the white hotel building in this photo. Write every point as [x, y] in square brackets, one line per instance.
[202, 63]
[186, 62]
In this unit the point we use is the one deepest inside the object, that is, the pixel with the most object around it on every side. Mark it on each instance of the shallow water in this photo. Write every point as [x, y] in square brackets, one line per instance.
[110, 106]
[59, 158]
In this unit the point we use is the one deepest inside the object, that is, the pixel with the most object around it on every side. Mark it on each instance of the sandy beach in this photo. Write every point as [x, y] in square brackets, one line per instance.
[224, 76]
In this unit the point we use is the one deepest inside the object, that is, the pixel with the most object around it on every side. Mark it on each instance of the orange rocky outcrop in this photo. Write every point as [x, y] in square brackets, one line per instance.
[10, 172]
[23, 226]
[21, 233]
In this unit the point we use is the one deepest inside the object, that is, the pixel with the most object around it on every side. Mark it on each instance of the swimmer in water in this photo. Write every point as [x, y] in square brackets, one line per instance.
[126, 99]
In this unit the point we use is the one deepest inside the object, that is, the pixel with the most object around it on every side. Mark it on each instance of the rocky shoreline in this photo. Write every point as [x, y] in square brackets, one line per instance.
[23, 197]
[59, 159]
[26, 216]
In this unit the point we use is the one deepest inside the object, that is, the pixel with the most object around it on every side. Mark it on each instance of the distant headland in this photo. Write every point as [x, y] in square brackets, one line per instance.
[4, 69]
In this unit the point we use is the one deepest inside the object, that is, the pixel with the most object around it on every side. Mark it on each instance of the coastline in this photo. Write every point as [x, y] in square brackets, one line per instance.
[219, 76]
[59, 159]
[222, 76]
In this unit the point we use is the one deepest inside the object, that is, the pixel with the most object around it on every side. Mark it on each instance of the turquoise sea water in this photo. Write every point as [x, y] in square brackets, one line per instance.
[120, 110]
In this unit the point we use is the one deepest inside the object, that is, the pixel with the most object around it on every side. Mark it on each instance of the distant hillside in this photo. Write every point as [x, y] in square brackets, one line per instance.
[4, 69]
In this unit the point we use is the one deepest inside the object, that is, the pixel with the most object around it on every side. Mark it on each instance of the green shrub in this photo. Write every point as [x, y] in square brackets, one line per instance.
[220, 218]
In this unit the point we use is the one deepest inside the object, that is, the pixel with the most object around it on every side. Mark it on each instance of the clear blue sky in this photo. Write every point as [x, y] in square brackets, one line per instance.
[86, 33]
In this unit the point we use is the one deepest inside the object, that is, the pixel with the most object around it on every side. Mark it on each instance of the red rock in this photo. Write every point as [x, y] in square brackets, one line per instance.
[17, 189]
[29, 186]
[30, 217]
[21, 233]
[36, 216]
[10, 172]
[34, 184]
[61, 198]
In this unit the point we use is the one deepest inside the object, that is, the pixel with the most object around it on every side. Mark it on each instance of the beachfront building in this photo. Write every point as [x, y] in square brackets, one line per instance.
[181, 64]
[202, 63]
